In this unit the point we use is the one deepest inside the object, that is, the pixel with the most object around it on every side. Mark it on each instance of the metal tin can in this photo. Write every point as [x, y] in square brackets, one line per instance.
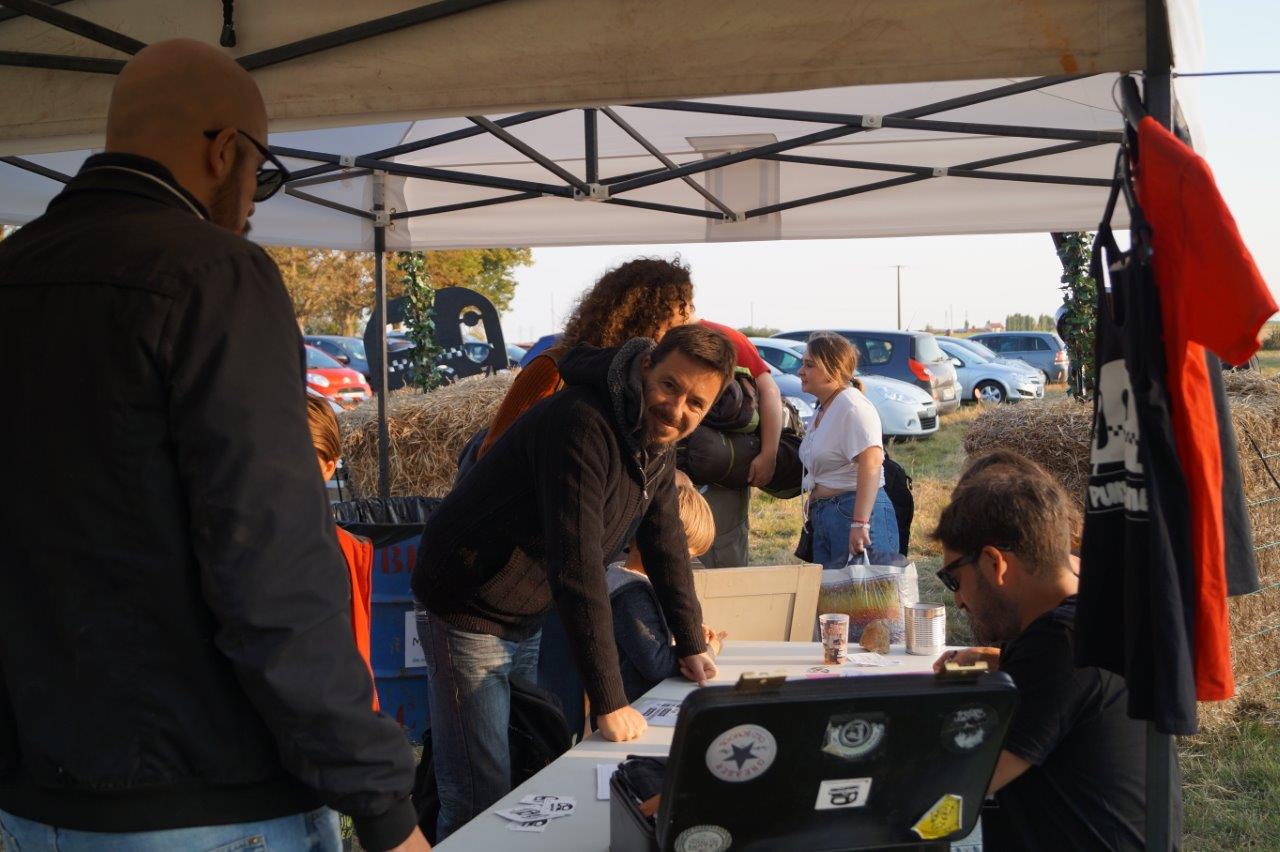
[926, 628]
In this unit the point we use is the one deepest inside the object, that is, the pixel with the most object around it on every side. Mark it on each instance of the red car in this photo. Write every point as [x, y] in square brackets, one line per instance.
[329, 378]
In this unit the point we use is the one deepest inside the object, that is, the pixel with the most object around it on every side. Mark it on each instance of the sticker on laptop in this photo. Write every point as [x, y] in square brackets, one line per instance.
[967, 728]
[835, 794]
[854, 737]
[742, 753]
[941, 820]
[703, 838]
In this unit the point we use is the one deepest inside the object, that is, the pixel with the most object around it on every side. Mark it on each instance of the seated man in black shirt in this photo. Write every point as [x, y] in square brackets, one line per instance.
[1072, 772]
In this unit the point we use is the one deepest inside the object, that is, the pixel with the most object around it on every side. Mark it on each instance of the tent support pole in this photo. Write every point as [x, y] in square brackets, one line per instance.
[590, 145]
[1158, 96]
[667, 161]
[35, 168]
[380, 323]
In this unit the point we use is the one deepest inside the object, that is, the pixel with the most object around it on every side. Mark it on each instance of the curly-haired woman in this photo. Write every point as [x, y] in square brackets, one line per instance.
[641, 298]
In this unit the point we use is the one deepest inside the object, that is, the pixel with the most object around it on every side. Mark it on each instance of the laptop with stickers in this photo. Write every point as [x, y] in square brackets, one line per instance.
[847, 763]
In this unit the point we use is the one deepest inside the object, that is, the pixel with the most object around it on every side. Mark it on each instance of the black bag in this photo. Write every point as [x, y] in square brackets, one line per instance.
[804, 547]
[897, 487]
[537, 735]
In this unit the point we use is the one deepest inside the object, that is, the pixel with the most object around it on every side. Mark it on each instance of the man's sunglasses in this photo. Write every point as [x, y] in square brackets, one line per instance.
[945, 575]
[269, 180]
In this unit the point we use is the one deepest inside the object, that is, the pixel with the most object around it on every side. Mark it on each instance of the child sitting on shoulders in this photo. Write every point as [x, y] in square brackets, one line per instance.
[646, 652]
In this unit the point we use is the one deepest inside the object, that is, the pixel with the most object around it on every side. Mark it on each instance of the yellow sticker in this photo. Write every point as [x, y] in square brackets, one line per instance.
[942, 819]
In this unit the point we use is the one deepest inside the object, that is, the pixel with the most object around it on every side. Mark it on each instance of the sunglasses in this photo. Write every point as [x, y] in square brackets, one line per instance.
[269, 179]
[945, 575]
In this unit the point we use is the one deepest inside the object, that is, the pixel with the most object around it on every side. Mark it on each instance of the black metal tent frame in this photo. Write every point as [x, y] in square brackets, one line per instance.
[1156, 101]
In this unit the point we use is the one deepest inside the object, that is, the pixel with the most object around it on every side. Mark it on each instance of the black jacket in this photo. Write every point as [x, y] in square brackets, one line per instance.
[175, 644]
[565, 487]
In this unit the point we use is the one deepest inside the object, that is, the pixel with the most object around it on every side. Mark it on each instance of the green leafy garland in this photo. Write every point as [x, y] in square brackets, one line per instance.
[420, 316]
[1080, 296]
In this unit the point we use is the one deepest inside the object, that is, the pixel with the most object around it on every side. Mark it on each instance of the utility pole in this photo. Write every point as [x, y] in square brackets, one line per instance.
[899, 268]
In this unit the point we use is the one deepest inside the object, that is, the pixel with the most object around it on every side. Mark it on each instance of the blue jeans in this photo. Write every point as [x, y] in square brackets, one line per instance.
[830, 519]
[315, 831]
[470, 696]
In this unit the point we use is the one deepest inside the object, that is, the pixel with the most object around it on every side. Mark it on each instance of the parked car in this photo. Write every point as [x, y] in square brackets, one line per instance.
[906, 411]
[909, 356]
[983, 380]
[986, 352]
[1043, 350]
[330, 378]
[348, 351]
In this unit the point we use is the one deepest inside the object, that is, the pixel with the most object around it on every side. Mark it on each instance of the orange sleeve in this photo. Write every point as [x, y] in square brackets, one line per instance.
[359, 556]
[534, 383]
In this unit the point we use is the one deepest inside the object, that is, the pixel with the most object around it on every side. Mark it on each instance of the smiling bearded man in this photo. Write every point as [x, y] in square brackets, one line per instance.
[535, 522]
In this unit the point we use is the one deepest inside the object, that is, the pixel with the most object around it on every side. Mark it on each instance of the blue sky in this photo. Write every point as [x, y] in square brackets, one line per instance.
[806, 284]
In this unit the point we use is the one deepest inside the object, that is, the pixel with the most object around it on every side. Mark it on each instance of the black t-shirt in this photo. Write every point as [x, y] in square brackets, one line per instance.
[1086, 788]
[1137, 599]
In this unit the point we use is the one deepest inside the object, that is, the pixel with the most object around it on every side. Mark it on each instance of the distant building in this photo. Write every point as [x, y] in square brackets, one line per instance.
[994, 326]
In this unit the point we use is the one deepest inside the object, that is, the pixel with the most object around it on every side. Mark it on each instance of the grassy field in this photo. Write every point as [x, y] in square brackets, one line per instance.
[1231, 775]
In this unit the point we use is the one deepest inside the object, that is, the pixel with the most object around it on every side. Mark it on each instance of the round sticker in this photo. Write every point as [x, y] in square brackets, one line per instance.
[703, 838]
[741, 753]
[967, 728]
[854, 737]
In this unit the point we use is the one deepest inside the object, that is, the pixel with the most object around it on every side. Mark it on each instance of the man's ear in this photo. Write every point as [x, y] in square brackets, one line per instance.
[221, 154]
[646, 364]
[999, 565]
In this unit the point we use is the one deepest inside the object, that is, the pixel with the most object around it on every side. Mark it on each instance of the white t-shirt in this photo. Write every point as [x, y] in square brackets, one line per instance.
[850, 425]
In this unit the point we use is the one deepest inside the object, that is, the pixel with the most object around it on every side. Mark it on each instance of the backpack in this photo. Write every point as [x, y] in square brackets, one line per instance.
[537, 735]
[897, 487]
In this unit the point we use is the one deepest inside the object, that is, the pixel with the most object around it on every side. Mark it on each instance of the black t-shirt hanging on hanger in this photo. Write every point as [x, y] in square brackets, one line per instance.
[1136, 602]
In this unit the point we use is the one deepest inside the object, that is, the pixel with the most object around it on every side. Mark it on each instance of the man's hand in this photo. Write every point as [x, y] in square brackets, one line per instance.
[621, 725]
[415, 842]
[969, 656]
[760, 473]
[698, 668]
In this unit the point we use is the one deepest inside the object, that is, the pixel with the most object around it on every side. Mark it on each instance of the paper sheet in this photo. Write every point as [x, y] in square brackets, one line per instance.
[604, 772]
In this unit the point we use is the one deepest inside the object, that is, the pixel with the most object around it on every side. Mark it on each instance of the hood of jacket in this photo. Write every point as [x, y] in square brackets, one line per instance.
[615, 374]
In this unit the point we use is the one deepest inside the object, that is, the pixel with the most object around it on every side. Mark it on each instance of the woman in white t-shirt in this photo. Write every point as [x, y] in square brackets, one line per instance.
[843, 456]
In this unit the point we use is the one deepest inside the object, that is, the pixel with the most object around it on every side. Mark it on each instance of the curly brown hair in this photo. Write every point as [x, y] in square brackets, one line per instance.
[636, 299]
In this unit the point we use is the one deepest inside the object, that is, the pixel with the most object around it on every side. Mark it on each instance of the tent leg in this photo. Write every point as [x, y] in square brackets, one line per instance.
[1158, 97]
[380, 323]
[1159, 789]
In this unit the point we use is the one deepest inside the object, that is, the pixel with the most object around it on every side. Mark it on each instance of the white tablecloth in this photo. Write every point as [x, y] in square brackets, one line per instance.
[574, 774]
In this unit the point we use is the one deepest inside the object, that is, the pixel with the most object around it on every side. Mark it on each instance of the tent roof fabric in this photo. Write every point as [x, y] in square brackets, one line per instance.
[826, 63]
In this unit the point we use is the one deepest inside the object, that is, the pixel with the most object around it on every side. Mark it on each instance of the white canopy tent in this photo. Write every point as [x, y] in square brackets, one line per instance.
[636, 121]
[827, 119]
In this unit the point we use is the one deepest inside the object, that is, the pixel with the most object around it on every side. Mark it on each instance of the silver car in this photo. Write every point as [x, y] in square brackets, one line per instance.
[991, 355]
[905, 410]
[983, 380]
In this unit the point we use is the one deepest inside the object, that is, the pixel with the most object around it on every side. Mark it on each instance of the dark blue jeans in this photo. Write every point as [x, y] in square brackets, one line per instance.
[316, 831]
[470, 696]
[830, 519]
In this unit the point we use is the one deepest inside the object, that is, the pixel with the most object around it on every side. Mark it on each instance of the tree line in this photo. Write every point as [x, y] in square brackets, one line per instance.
[1026, 322]
[332, 291]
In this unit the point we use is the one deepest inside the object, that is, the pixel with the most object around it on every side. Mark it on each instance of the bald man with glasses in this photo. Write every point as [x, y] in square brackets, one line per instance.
[176, 662]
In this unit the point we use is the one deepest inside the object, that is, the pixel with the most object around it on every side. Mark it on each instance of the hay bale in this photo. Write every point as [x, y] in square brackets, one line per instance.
[1057, 436]
[428, 432]
[1054, 433]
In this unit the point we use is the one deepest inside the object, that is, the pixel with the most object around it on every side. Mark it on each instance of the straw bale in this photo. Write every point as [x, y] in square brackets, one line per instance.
[428, 432]
[1053, 433]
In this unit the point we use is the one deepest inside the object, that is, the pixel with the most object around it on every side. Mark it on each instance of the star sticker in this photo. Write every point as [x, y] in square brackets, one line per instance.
[742, 754]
